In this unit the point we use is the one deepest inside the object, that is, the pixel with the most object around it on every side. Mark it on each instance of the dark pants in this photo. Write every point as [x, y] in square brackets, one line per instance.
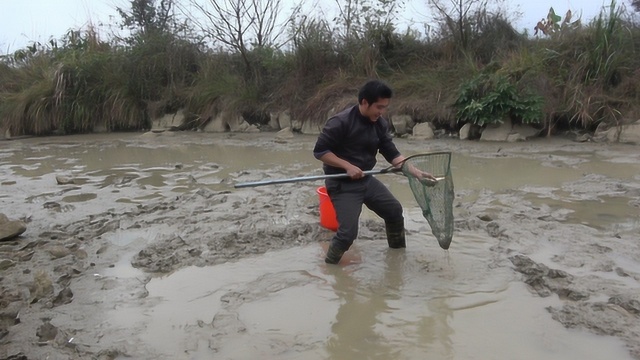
[348, 196]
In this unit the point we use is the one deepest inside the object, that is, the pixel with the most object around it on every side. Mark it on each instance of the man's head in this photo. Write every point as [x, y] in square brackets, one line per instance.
[374, 98]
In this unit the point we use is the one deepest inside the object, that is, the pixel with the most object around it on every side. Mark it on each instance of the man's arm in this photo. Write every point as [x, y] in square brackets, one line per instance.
[420, 175]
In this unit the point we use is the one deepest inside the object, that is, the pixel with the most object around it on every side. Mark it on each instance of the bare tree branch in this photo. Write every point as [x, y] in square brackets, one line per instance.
[244, 24]
[456, 16]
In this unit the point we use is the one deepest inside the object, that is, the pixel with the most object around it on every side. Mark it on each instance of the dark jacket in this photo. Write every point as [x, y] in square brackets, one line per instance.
[356, 139]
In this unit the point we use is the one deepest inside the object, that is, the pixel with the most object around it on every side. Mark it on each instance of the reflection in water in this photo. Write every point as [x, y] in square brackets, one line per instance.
[373, 321]
[435, 331]
[354, 330]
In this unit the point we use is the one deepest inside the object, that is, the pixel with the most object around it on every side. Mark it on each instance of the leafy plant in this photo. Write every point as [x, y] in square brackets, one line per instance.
[554, 25]
[488, 99]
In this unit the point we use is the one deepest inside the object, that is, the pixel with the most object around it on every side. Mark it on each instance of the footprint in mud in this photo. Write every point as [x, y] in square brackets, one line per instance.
[267, 285]
[227, 323]
[52, 205]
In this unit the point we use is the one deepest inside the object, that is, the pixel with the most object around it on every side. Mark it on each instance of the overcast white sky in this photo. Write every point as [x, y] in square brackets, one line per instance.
[25, 21]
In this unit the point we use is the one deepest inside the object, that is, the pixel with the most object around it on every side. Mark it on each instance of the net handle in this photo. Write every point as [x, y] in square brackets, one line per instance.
[387, 170]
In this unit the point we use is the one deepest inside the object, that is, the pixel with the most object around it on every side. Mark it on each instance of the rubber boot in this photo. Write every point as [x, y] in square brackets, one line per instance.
[333, 255]
[395, 234]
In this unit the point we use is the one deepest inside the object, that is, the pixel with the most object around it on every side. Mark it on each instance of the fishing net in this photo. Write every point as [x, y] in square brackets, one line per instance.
[434, 198]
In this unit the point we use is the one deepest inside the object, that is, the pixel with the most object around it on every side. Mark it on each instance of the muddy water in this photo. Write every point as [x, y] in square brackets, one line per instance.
[390, 305]
[421, 302]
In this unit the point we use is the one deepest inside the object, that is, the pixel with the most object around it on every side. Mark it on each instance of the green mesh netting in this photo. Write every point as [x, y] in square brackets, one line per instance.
[435, 199]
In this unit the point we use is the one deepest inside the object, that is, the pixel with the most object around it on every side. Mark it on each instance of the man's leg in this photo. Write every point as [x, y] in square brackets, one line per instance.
[347, 198]
[380, 200]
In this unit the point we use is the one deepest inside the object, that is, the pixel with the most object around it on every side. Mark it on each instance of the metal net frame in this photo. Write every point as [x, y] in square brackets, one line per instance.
[434, 198]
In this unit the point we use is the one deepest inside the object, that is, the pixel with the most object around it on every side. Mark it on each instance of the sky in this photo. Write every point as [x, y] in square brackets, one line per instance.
[25, 21]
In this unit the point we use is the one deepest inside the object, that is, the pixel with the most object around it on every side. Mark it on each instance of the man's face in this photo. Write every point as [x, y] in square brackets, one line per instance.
[375, 110]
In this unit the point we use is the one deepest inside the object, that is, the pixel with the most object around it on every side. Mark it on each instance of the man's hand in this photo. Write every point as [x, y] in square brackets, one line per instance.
[424, 177]
[354, 172]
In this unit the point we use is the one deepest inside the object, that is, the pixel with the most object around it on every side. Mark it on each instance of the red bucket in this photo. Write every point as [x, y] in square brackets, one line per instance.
[327, 212]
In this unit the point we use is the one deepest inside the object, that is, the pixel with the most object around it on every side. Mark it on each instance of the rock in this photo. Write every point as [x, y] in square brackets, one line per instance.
[508, 132]
[625, 133]
[168, 121]
[227, 121]
[497, 133]
[6, 263]
[285, 133]
[216, 124]
[47, 332]
[280, 120]
[252, 129]
[284, 120]
[64, 180]
[273, 121]
[10, 229]
[311, 128]
[401, 123]
[65, 296]
[470, 131]
[525, 132]
[515, 137]
[601, 132]
[58, 252]
[583, 138]
[52, 205]
[149, 134]
[10, 314]
[464, 131]
[423, 131]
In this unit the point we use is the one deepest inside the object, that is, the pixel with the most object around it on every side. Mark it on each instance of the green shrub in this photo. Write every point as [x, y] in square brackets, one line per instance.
[488, 99]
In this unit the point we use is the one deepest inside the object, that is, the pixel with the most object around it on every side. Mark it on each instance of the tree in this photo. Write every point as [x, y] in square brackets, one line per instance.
[455, 17]
[161, 57]
[243, 25]
[636, 5]
[461, 19]
[365, 30]
[145, 18]
[356, 16]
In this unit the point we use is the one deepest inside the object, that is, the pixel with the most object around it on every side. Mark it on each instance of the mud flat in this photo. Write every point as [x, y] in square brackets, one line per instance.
[142, 221]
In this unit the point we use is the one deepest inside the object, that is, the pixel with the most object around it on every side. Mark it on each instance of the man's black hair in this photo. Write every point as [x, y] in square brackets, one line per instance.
[374, 90]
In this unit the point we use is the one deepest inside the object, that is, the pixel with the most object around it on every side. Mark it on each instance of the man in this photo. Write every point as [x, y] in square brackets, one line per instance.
[349, 143]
